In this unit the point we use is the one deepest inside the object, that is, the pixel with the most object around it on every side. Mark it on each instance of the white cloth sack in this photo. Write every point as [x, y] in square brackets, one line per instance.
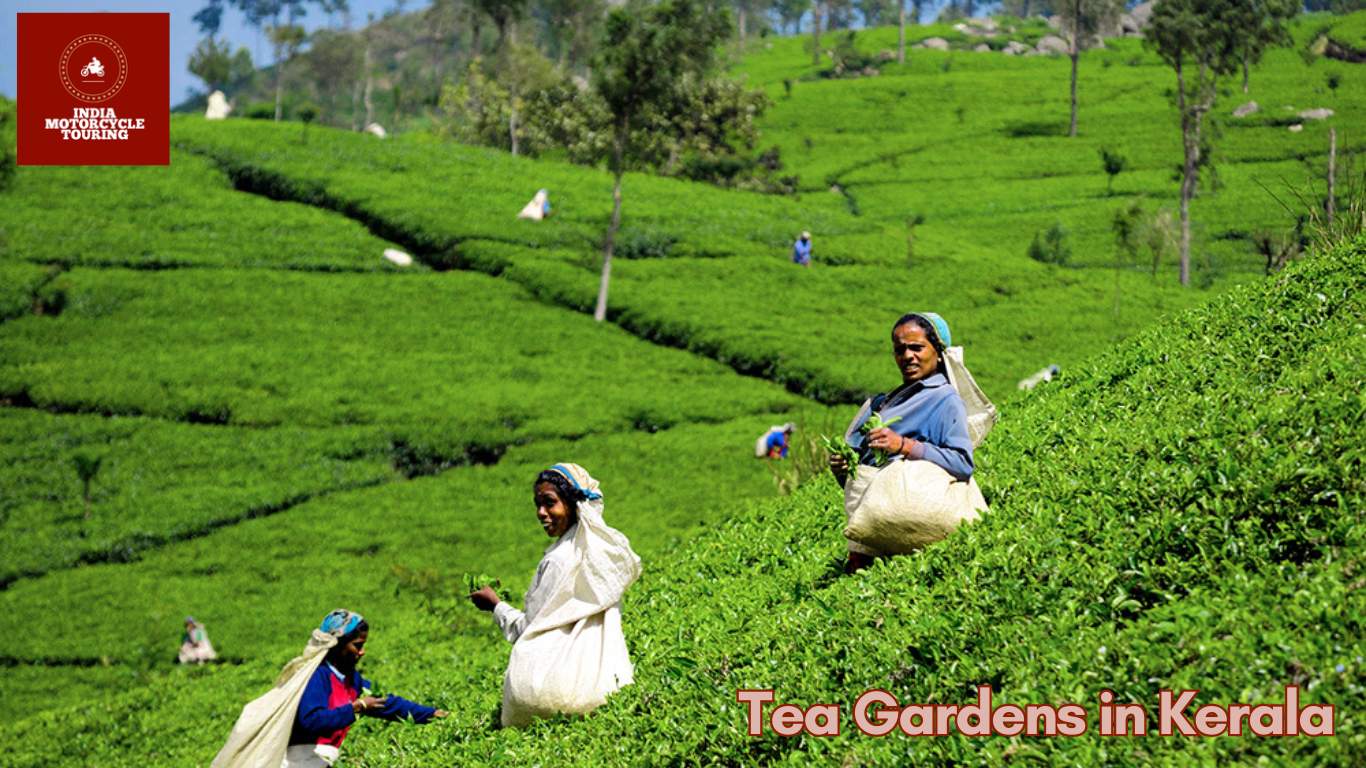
[906, 506]
[311, 756]
[534, 210]
[571, 656]
[261, 735]
[981, 411]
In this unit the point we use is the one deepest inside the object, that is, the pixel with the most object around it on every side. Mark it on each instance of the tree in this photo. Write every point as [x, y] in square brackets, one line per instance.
[242, 67]
[646, 51]
[287, 38]
[816, 9]
[442, 22]
[212, 62]
[333, 60]
[521, 70]
[1114, 164]
[901, 32]
[875, 12]
[87, 467]
[1264, 26]
[258, 12]
[1127, 225]
[504, 13]
[1203, 37]
[1080, 22]
[9, 154]
[790, 12]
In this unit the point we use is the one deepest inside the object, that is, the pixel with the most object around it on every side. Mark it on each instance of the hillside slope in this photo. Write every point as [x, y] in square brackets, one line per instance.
[1183, 512]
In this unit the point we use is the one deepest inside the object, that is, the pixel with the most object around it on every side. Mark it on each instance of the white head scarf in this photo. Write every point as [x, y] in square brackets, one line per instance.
[602, 566]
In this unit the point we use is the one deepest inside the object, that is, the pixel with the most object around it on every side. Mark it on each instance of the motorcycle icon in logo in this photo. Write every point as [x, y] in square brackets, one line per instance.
[101, 78]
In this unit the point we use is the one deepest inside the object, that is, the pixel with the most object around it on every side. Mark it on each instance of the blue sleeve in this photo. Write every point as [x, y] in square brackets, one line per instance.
[401, 709]
[950, 446]
[314, 715]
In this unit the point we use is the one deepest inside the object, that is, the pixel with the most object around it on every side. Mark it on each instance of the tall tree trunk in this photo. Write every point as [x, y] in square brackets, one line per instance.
[901, 35]
[1188, 173]
[816, 33]
[1076, 56]
[1332, 175]
[279, 85]
[618, 153]
[369, 88]
[742, 31]
[355, 107]
[502, 25]
[512, 124]
[1244, 73]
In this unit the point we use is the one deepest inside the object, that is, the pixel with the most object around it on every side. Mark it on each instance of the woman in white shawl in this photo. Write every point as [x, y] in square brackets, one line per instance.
[568, 650]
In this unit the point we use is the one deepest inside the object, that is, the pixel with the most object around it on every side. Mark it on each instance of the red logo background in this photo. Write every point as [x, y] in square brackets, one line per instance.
[134, 50]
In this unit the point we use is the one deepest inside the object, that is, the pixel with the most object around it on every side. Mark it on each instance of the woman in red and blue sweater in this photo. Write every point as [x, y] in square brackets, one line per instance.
[332, 699]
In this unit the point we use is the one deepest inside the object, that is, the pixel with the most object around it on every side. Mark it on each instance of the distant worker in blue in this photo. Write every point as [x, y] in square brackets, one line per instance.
[774, 443]
[538, 208]
[801, 250]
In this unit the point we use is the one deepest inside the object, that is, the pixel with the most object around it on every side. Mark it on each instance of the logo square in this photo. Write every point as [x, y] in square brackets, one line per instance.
[94, 87]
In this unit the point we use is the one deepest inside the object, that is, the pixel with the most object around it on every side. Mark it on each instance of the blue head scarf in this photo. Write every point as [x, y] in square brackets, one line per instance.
[341, 622]
[939, 329]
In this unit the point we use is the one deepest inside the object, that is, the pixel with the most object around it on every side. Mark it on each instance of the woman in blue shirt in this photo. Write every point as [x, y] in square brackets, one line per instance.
[933, 423]
[332, 699]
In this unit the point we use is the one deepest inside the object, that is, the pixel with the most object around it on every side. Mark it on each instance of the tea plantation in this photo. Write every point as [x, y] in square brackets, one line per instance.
[1181, 512]
[286, 422]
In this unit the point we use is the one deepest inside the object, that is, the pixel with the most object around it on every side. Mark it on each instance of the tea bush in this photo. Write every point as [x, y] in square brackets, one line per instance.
[158, 482]
[184, 214]
[460, 365]
[1183, 512]
[736, 309]
[255, 583]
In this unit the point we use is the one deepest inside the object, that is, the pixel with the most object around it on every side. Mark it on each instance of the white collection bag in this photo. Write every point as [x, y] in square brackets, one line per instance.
[261, 735]
[573, 654]
[981, 411]
[907, 505]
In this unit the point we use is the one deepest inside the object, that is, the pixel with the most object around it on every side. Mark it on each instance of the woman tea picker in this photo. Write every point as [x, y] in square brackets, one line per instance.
[302, 721]
[568, 649]
[913, 483]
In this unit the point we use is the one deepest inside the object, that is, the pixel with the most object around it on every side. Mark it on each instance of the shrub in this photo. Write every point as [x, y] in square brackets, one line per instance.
[260, 110]
[1051, 246]
[644, 244]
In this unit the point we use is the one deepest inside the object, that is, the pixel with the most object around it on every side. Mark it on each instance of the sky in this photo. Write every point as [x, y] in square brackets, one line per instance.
[185, 33]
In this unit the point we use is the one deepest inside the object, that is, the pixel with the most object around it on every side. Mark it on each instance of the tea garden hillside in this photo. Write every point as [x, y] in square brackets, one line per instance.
[248, 376]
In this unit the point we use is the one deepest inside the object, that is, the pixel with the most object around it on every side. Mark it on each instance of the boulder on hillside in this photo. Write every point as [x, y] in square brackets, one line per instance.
[1247, 109]
[976, 31]
[983, 48]
[1297, 127]
[1143, 14]
[1052, 44]
[219, 108]
[376, 129]
[1321, 113]
[1015, 48]
[934, 44]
